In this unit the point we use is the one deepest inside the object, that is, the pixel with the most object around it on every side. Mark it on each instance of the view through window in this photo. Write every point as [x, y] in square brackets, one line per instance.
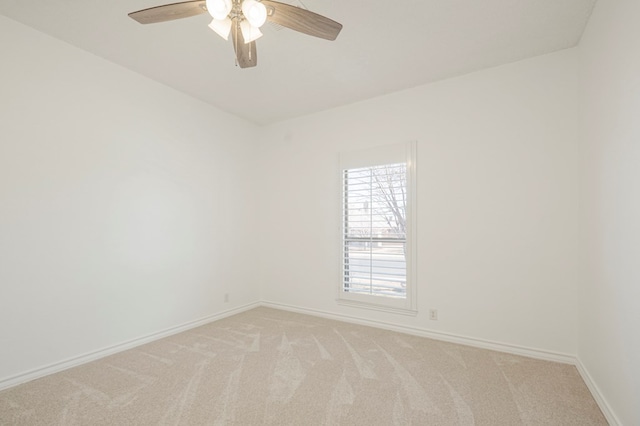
[374, 230]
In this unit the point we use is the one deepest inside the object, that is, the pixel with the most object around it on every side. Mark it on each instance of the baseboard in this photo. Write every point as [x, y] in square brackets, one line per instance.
[101, 353]
[436, 335]
[597, 395]
[469, 341]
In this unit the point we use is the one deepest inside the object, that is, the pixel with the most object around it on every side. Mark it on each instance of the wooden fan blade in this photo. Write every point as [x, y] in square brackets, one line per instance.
[169, 12]
[246, 54]
[302, 20]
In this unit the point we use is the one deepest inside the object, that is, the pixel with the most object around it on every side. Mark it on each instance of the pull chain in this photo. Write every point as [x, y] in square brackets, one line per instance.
[235, 39]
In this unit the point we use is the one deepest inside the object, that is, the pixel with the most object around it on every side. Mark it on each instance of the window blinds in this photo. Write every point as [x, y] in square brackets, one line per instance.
[374, 230]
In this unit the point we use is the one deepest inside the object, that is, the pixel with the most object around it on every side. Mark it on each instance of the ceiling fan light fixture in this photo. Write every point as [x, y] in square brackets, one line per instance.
[221, 27]
[255, 12]
[249, 32]
[219, 9]
[242, 19]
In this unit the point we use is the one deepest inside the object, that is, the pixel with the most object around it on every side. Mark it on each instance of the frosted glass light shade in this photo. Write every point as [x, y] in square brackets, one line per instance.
[222, 28]
[249, 32]
[219, 9]
[255, 12]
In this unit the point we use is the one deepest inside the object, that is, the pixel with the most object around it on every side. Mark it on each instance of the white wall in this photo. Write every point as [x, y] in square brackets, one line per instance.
[497, 202]
[125, 207]
[609, 292]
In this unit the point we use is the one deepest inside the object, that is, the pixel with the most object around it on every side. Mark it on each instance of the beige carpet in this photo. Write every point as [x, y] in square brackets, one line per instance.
[267, 366]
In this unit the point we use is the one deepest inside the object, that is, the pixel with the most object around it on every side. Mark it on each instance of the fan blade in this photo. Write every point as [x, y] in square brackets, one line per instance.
[169, 12]
[302, 20]
[246, 54]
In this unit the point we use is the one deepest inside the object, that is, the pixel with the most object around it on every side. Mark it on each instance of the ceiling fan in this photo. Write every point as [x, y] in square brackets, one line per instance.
[243, 19]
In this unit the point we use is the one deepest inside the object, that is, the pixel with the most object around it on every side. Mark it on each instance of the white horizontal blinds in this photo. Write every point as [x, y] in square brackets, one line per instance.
[374, 230]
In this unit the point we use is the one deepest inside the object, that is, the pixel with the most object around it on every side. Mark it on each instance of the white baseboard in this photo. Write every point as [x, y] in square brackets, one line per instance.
[597, 395]
[436, 335]
[101, 353]
[469, 341]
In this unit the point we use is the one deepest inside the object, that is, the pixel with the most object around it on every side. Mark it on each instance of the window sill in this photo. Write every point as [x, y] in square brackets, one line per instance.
[377, 307]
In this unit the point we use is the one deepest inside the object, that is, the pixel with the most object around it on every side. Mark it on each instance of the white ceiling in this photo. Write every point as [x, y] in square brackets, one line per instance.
[378, 51]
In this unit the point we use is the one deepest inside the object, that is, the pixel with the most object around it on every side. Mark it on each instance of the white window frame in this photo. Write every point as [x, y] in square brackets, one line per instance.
[377, 156]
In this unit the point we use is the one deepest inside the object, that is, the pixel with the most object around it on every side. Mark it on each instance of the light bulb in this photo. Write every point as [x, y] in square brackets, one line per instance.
[219, 9]
[222, 28]
[255, 12]
[249, 33]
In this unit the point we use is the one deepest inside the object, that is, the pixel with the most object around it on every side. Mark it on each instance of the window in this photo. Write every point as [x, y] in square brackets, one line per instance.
[377, 230]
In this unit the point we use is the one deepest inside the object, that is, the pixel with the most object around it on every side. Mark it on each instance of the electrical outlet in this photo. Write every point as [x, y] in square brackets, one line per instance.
[433, 314]
[226, 298]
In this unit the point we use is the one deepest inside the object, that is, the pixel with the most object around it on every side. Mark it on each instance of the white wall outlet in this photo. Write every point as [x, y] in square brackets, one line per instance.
[226, 298]
[433, 314]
